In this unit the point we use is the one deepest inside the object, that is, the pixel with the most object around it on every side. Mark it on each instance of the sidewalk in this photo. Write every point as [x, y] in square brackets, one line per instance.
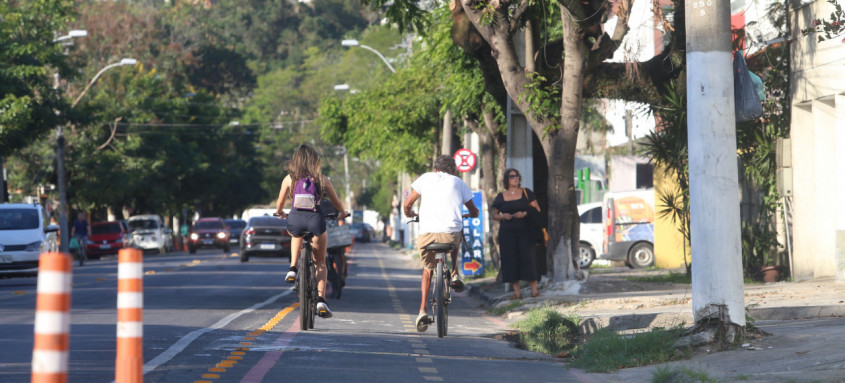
[805, 319]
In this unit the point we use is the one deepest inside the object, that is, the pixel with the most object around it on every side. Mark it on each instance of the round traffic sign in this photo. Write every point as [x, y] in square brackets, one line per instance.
[465, 159]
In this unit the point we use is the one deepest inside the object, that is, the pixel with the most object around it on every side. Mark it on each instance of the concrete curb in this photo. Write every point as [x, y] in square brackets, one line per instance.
[647, 319]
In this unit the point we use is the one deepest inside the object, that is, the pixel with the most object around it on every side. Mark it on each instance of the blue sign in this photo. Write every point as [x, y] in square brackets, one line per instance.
[472, 250]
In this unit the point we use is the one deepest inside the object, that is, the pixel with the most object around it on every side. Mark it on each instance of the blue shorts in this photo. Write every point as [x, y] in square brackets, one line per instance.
[300, 221]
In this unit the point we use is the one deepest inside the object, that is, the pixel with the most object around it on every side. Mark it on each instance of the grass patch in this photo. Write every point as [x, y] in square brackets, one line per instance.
[606, 351]
[548, 331]
[664, 278]
[503, 309]
[680, 375]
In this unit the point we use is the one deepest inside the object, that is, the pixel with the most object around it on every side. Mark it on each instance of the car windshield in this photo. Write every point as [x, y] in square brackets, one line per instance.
[142, 224]
[18, 219]
[267, 221]
[236, 224]
[208, 225]
[107, 228]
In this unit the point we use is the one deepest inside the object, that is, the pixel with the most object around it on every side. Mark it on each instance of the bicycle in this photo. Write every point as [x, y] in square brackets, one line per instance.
[78, 247]
[335, 264]
[441, 286]
[306, 281]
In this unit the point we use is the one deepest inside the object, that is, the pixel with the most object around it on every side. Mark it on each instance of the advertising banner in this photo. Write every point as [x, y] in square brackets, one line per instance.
[472, 250]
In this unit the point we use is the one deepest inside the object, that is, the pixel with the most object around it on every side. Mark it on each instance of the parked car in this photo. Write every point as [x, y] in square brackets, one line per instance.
[362, 232]
[629, 227]
[147, 232]
[265, 235]
[106, 238]
[592, 236]
[24, 235]
[236, 228]
[209, 232]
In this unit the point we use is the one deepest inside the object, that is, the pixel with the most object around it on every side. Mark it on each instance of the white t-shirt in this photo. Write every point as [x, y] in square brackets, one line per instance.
[442, 197]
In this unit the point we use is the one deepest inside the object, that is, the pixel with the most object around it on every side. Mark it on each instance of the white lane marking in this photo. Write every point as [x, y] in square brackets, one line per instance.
[179, 346]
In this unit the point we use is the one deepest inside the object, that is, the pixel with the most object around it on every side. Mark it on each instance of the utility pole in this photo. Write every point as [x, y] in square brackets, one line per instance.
[60, 172]
[448, 134]
[717, 285]
[346, 168]
[3, 185]
[629, 130]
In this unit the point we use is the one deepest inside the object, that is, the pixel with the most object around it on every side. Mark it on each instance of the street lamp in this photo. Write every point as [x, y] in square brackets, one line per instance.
[60, 151]
[72, 34]
[355, 43]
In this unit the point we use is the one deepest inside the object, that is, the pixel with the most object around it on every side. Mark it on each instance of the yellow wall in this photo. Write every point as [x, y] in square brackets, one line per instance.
[668, 241]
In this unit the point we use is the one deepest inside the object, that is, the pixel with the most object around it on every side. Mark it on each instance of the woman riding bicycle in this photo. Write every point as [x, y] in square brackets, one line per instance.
[441, 221]
[305, 184]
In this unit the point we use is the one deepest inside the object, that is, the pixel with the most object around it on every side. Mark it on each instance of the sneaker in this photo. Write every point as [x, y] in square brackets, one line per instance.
[422, 322]
[323, 309]
[457, 283]
[291, 277]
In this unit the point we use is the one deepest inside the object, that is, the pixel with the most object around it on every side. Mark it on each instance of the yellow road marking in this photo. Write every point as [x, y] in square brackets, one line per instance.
[19, 292]
[217, 369]
[211, 376]
[238, 353]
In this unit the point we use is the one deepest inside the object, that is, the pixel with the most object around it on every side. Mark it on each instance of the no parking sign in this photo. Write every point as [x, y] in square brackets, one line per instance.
[466, 160]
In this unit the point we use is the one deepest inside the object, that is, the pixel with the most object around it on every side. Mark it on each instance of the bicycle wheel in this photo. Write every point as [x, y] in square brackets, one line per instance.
[440, 297]
[335, 273]
[304, 291]
[81, 255]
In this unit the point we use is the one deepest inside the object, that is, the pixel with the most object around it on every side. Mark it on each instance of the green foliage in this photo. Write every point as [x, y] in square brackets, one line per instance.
[667, 147]
[606, 351]
[827, 28]
[543, 97]
[548, 331]
[28, 102]
[504, 309]
[663, 278]
[681, 375]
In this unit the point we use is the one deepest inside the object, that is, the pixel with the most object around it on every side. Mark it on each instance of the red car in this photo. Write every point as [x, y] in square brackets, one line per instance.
[106, 238]
[209, 232]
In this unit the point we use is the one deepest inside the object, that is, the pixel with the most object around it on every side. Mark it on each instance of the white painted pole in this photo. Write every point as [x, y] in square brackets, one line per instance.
[714, 188]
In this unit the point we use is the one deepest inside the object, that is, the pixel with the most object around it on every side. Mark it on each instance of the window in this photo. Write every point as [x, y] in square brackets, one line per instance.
[111, 228]
[18, 219]
[592, 216]
[208, 225]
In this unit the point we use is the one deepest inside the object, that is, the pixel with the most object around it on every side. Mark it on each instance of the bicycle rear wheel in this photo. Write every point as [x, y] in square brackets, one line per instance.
[440, 297]
[304, 275]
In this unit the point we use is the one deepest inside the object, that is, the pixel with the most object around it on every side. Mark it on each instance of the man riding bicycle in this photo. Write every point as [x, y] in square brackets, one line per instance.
[80, 230]
[441, 221]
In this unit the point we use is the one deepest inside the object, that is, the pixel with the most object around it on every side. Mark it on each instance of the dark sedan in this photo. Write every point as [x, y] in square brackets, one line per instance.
[265, 235]
[209, 232]
[236, 228]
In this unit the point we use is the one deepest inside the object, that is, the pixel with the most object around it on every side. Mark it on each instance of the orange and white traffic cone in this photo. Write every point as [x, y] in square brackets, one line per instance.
[52, 319]
[129, 365]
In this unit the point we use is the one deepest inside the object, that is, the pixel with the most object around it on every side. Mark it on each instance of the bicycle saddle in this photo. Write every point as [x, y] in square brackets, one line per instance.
[440, 247]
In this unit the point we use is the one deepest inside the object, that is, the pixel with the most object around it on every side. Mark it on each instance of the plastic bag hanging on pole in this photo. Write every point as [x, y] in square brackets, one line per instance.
[746, 100]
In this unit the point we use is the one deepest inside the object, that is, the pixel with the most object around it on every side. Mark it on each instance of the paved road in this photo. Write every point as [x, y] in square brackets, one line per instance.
[210, 318]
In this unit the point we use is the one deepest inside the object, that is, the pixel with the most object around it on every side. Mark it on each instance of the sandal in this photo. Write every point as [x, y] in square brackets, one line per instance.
[535, 295]
[515, 297]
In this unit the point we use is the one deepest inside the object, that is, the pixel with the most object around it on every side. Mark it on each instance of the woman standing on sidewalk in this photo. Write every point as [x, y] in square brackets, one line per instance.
[510, 208]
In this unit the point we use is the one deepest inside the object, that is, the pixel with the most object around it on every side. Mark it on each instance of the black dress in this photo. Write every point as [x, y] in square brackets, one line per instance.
[515, 242]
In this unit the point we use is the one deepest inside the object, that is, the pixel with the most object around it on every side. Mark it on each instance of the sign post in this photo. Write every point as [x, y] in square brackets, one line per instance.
[472, 250]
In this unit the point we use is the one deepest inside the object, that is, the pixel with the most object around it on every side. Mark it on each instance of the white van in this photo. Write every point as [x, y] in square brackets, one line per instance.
[148, 232]
[629, 227]
[592, 237]
[24, 235]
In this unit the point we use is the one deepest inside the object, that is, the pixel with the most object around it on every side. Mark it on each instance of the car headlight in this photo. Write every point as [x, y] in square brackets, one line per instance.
[195, 236]
[35, 246]
[221, 235]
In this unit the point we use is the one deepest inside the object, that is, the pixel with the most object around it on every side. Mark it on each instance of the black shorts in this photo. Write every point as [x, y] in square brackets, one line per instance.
[300, 221]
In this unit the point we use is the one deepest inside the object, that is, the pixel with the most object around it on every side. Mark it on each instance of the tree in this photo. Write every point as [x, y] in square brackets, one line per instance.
[28, 99]
[576, 61]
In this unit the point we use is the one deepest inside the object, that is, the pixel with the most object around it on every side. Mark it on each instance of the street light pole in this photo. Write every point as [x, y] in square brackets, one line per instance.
[60, 156]
[354, 43]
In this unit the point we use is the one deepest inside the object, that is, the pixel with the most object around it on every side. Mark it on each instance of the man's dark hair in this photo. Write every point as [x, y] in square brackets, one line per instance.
[445, 164]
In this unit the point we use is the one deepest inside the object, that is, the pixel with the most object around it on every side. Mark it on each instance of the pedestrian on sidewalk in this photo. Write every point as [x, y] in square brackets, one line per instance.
[516, 244]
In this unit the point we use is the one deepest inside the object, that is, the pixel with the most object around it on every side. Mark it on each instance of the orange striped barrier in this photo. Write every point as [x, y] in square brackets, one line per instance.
[52, 319]
[129, 363]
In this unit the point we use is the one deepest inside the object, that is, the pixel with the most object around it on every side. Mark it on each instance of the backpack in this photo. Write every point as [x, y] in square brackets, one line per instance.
[306, 195]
